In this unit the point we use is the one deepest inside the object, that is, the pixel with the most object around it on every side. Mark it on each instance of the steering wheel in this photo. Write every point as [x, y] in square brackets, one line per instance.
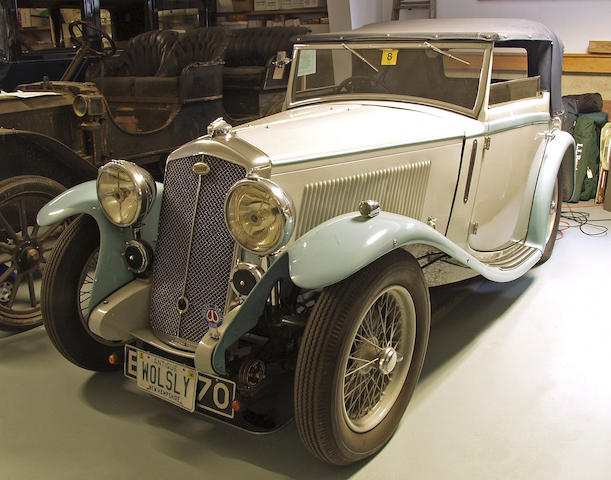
[81, 41]
[361, 84]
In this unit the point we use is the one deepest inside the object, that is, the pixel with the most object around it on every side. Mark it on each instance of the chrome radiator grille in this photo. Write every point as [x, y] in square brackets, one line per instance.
[398, 190]
[205, 274]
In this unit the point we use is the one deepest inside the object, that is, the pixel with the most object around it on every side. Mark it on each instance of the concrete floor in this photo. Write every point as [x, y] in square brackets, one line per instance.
[516, 385]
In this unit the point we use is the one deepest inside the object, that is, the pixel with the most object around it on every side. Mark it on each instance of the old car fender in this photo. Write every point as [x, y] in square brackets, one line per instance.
[330, 253]
[55, 160]
[111, 271]
[340, 247]
[559, 146]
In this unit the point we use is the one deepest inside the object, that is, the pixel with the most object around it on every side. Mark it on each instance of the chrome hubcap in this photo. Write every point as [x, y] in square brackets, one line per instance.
[387, 360]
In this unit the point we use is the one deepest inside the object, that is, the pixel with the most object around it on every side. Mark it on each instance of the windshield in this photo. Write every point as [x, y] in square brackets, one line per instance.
[431, 73]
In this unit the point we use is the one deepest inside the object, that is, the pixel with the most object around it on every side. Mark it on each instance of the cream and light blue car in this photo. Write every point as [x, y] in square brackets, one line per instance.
[283, 267]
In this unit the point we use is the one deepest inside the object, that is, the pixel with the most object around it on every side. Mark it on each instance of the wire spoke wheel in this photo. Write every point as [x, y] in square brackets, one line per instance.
[24, 248]
[360, 359]
[379, 359]
[66, 296]
[85, 286]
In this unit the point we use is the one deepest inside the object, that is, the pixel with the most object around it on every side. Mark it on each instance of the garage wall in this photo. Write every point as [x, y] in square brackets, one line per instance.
[575, 22]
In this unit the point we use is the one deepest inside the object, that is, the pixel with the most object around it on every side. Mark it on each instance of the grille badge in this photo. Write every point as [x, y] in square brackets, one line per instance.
[201, 168]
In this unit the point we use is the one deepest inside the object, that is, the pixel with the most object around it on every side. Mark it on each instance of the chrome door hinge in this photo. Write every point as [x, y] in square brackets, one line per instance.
[487, 143]
[474, 227]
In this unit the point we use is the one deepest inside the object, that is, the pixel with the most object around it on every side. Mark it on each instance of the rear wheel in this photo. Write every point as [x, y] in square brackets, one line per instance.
[24, 248]
[552, 222]
[360, 359]
[66, 289]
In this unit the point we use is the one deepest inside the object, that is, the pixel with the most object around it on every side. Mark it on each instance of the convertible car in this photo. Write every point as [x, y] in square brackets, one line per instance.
[282, 268]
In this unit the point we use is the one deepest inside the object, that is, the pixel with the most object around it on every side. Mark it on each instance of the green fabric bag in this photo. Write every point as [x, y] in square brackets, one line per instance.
[586, 140]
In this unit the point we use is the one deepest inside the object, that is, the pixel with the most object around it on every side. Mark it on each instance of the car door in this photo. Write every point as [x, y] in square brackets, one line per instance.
[516, 117]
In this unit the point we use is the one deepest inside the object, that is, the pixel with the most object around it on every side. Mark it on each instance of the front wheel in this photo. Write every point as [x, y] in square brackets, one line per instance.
[360, 359]
[66, 287]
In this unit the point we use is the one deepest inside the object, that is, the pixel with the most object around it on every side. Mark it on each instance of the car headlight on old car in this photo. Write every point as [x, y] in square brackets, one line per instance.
[125, 191]
[259, 215]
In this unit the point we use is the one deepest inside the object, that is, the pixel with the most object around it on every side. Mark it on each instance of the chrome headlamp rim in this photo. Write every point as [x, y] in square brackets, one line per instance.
[285, 207]
[145, 187]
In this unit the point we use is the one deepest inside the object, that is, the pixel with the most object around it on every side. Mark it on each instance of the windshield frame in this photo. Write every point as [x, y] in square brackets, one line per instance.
[474, 112]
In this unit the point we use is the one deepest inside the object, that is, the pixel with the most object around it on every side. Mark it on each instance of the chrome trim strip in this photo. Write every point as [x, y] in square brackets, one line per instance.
[230, 148]
[184, 283]
[470, 174]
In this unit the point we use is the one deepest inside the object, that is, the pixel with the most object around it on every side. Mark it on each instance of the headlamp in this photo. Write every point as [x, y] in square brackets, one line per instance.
[125, 191]
[259, 215]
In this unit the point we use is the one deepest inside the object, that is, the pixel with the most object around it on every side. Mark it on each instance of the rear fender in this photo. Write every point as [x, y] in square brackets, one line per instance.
[559, 151]
[111, 272]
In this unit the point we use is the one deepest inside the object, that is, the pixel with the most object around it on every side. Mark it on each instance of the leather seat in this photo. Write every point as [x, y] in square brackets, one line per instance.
[167, 65]
[142, 56]
[249, 56]
[199, 45]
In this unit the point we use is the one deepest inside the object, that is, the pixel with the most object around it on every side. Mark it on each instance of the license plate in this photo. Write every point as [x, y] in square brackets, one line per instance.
[215, 394]
[168, 380]
[176, 383]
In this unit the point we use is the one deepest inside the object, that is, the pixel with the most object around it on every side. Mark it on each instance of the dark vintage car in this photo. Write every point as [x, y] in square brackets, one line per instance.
[293, 254]
[160, 90]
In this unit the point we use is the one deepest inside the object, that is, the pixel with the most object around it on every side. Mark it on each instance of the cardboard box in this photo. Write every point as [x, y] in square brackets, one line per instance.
[272, 4]
[223, 6]
[260, 5]
[286, 4]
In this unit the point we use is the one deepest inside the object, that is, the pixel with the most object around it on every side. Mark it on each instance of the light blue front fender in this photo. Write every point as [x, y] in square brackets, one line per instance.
[342, 246]
[336, 249]
[111, 272]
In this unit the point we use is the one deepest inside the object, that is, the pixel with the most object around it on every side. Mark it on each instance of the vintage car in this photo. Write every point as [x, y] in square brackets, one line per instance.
[283, 267]
[160, 91]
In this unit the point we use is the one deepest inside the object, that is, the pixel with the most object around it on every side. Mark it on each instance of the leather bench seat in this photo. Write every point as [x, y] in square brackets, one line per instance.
[249, 57]
[250, 76]
[165, 65]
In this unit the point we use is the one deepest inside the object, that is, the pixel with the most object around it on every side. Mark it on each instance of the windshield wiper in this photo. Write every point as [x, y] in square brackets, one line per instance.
[360, 57]
[439, 50]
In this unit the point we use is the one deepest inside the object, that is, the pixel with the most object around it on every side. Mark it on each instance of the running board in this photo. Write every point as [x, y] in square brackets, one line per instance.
[509, 258]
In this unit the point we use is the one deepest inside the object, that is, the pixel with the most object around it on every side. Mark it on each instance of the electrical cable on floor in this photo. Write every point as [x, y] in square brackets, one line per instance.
[582, 219]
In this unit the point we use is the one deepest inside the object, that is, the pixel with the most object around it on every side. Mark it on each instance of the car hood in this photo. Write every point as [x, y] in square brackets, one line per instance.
[333, 129]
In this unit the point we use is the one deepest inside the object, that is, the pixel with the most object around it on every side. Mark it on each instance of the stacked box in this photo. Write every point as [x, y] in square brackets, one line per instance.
[272, 4]
[260, 5]
[233, 5]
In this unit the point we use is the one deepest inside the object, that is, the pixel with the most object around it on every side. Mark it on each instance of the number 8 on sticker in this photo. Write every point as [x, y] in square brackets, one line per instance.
[389, 56]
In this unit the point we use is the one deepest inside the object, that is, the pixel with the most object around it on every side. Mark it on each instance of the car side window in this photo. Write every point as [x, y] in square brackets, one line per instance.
[510, 80]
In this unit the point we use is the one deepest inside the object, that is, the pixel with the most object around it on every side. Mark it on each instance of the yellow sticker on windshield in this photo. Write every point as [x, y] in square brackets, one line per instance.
[389, 57]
